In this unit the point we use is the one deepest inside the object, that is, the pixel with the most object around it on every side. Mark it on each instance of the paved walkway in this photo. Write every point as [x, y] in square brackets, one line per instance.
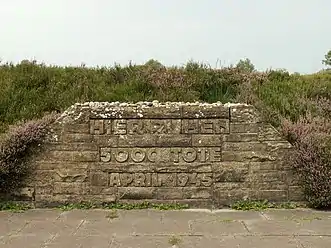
[151, 229]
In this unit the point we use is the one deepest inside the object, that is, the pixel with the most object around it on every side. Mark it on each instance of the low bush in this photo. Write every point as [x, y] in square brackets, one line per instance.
[311, 159]
[15, 148]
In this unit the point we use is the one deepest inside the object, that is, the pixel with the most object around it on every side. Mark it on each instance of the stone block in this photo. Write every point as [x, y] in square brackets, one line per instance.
[82, 128]
[136, 193]
[175, 140]
[244, 127]
[253, 156]
[161, 111]
[270, 195]
[103, 190]
[137, 141]
[197, 193]
[207, 111]
[76, 137]
[265, 166]
[106, 140]
[72, 156]
[169, 193]
[112, 111]
[207, 140]
[100, 126]
[99, 179]
[41, 177]
[283, 146]
[227, 197]
[153, 126]
[244, 113]
[231, 172]
[244, 146]
[44, 189]
[70, 175]
[73, 147]
[230, 186]
[205, 126]
[268, 177]
[70, 188]
[269, 133]
[46, 165]
[241, 137]
[296, 193]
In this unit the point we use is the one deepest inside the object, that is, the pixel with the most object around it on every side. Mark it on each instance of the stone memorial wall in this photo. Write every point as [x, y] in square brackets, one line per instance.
[201, 154]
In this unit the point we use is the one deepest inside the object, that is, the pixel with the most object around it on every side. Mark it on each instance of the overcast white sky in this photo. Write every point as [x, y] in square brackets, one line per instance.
[291, 34]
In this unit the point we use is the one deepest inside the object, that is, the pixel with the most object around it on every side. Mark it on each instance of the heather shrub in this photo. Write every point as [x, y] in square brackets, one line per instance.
[15, 148]
[311, 159]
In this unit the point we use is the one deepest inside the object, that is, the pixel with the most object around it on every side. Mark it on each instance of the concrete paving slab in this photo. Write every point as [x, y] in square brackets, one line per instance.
[5, 215]
[26, 241]
[75, 214]
[296, 214]
[175, 229]
[315, 242]
[317, 227]
[102, 228]
[37, 215]
[239, 215]
[198, 242]
[50, 227]
[267, 241]
[161, 227]
[9, 227]
[187, 215]
[141, 242]
[80, 242]
[218, 228]
[277, 228]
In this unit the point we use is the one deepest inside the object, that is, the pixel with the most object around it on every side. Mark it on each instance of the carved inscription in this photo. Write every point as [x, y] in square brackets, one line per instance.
[158, 126]
[135, 126]
[160, 179]
[160, 155]
[205, 126]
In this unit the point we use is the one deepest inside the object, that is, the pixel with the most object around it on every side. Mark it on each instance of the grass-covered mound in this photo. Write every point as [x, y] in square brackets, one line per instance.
[299, 105]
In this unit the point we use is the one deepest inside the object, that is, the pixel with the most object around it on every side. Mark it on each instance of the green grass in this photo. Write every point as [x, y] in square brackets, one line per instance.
[247, 205]
[123, 206]
[28, 90]
[174, 240]
[14, 206]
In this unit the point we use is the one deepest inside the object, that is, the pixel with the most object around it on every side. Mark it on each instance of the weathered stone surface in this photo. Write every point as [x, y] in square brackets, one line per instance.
[241, 137]
[244, 127]
[244, 113]
[70, 175]
[196, 153]
[205, 126]
[231, 172]
[271, 195]
[196, 111]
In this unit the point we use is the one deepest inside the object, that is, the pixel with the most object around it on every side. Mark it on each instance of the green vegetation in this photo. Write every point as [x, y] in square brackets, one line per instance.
[174, 241]
[16, 148]
[123, 206]
[112, 214]
[14, 206]
[298, 105]
[261, 205]
[327, 59]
